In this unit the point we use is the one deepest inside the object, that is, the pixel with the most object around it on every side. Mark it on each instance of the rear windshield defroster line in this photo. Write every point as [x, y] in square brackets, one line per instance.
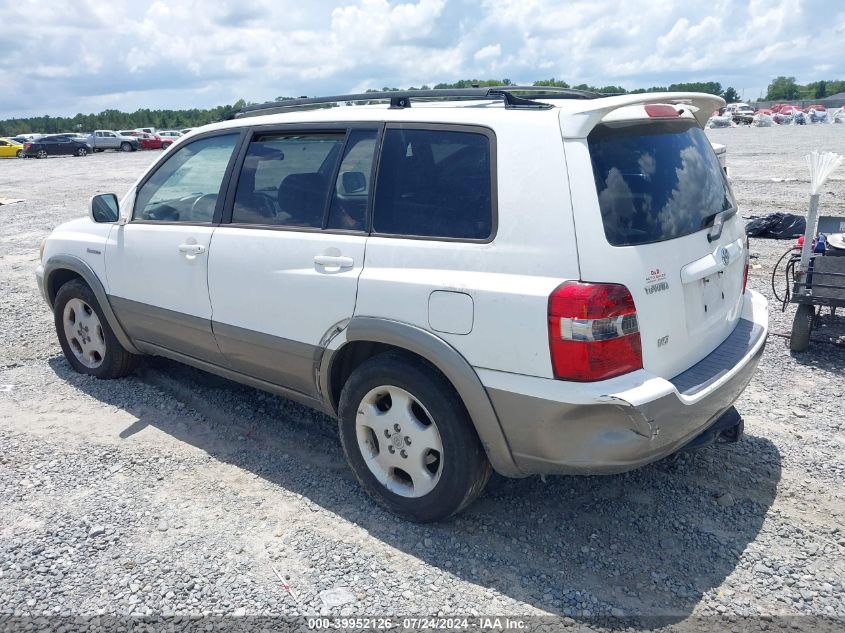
[656, 180]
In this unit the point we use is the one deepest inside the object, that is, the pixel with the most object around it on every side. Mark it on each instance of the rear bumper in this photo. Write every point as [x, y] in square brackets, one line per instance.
[555, 427]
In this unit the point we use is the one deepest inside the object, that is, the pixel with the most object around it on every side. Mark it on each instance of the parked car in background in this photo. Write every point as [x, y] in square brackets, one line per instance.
[101, 140]
[10, 148]
[151, 141]
[56, 145]
[170, 134]
[186, 130]
[26, 138]
[147, 130]
[740, 112]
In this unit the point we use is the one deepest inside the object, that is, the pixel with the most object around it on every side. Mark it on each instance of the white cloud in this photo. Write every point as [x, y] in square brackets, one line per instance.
[488, 53]
[89, 55]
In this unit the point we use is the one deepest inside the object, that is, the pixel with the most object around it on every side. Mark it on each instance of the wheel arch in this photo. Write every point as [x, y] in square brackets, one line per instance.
[60, 269]
[369, 336]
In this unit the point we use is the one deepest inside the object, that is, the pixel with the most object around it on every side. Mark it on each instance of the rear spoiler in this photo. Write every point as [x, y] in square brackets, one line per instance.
[582, 116]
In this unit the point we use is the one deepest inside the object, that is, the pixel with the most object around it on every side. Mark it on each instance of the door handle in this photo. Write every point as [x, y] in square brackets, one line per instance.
[334, 261]
[192, 249]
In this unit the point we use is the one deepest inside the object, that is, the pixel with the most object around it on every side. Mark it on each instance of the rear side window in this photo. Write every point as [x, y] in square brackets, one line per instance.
[352, 188]
[285, 179]
[434, 183]
[656, 180]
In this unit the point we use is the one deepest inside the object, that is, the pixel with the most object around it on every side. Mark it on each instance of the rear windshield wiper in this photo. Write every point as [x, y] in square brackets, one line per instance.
[709, 221]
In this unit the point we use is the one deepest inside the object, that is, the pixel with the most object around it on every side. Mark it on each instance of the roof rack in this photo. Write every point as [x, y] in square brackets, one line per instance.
[402, 98]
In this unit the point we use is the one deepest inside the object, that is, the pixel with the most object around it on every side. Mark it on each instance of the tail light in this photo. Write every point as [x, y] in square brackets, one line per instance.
[593, 332]
[27, 145]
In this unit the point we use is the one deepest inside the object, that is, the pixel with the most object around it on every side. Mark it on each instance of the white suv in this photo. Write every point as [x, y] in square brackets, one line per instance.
[468, 280]
[740, 112]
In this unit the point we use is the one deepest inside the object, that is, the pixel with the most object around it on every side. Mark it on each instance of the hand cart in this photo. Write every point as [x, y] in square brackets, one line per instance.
[819, 279]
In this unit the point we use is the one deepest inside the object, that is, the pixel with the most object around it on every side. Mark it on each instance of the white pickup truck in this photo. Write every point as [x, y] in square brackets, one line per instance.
[101, 140]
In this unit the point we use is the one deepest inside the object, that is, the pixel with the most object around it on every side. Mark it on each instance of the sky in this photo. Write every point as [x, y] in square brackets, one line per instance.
[64, 57]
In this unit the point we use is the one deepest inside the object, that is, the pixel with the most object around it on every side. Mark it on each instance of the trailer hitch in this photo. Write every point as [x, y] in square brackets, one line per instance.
[727, 429]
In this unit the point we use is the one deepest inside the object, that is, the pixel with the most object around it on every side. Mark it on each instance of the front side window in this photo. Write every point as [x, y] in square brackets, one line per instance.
[656, 180]
[434, 183]
[285, 179]
[186, 186]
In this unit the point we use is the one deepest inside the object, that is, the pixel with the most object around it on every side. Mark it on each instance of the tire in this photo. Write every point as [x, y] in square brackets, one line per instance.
[378, 450]
[19, 153]
[164, 146]
[126, 147]
[42, 153]
[82, 152]
[97, 150]
[799, 340]
[87, 340]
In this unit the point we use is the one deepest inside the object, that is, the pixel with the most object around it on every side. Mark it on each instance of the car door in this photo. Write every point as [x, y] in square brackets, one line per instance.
[110, 140]
[64, 146]
[157, 262]
[285, 264]
[49, 145]
[6, 149]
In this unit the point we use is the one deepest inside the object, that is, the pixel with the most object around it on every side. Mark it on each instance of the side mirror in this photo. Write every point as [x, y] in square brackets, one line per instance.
[104, 208]
[354, 181]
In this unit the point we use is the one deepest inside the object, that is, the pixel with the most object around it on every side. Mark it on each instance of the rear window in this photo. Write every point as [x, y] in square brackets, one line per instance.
[656, 180]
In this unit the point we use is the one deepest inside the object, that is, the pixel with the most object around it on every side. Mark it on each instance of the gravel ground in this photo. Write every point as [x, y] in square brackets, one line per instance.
[174, 491]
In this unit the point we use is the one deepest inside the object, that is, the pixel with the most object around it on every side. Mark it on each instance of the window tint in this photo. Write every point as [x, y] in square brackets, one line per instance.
[352, 188]
[434, 183]
[186, 186]
[656, 181]
[285, 179]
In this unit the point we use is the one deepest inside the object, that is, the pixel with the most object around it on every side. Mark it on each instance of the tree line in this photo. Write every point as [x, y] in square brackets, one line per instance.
[781, 88]
[710, 87]
[117, 120]
[787, 89]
